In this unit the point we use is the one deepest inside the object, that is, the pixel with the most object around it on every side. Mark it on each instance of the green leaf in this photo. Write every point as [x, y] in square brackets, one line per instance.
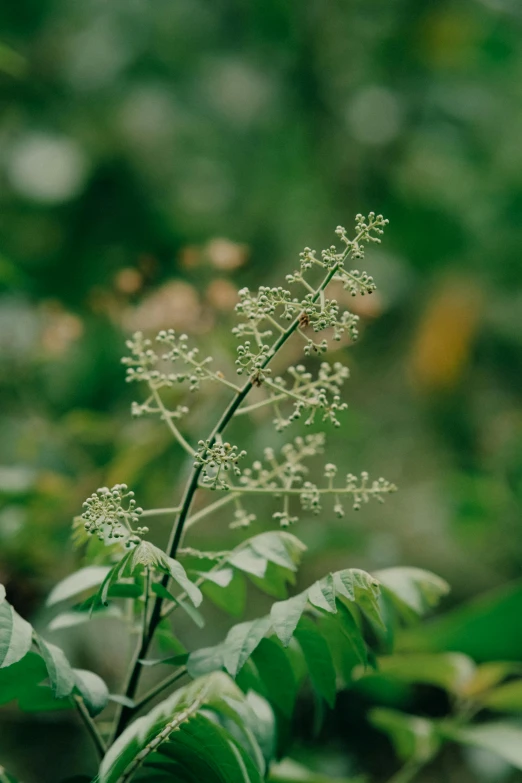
[125, 590]
[352, 633]
[277, 675]
[72, 618]
[413, 590]
[59, 670]
[230, 597]
[280, 548]
[450, 671]
[318, 659]
[178, 573]
[92, 689]
[506, 698]
[222, 577]
[206, 660]
[82, 580]
[192, 612]
[502, 738]
[275, 581]
[322, 594]
[413, 737]
[178, 738]
[249, 561]
[241, 642]
[286, 614]
[20, 677]
[16, 634]
[362, 588]
[43, 699]
[486, 629]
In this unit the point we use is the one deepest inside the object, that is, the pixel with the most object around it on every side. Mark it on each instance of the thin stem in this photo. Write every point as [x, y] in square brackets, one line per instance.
[160, 687]
[156, 512]
[275, 323]
[288, 392]
[186, 503]
[301, 490]
[229, 497]
[90, 726]
[167, 418]
[146, 604]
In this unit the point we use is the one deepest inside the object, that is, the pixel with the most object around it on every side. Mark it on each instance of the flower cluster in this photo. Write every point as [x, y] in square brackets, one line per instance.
[286, 477]
[216, 458]
[111, 513]
[142, 364]
[263, 311]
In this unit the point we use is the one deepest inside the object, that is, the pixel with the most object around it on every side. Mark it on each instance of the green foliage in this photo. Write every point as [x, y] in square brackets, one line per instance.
[336, 633]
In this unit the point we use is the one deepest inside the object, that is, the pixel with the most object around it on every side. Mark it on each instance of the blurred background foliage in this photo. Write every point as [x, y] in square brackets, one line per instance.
[155, 156]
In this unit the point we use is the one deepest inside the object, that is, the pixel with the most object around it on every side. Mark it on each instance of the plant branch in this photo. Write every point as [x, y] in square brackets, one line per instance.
[156, 512]
[186, 503]
[167, 418]
[90, 726]
[160, 687]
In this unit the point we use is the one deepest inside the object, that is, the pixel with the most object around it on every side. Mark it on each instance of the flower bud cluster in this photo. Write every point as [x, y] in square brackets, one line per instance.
[312, 396]
[112, 513]
[215, 459]
[142, 364]
[251, 360]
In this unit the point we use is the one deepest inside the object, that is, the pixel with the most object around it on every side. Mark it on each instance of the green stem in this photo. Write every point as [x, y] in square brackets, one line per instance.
[300, 490]
[160, 687]
[229, 497]
[186, 503]
[167, 418]
[156, 512]
[90, 726]
[146, 604]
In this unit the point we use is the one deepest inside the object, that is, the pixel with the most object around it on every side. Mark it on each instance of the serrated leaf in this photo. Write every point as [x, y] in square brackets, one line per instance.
[322, 594]
[15, 634]
[277, 675]
[82, 580]
[241, 642]
[318, 659]
[286, 614]
[92, 689]
[60, 672]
